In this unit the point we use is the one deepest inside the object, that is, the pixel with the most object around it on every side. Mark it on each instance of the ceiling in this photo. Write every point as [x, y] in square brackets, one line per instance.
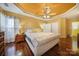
[36, 8]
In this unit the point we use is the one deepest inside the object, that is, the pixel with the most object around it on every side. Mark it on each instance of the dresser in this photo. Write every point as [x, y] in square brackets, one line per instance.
[2, 52]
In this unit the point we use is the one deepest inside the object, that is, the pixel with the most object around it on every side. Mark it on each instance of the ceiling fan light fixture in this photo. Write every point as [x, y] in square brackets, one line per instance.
[46, 16]
[47, 12]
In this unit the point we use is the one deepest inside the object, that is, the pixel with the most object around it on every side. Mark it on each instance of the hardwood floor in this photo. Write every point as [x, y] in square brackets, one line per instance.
[17, 49]
[63, 48]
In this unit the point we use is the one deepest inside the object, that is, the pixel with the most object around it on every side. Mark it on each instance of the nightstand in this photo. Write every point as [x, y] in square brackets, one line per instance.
[20, 38]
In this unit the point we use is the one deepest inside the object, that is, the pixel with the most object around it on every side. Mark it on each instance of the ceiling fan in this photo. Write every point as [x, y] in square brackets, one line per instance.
[47, 12]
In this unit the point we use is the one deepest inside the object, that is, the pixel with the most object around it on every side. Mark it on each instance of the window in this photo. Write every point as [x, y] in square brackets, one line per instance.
[75, 25]
[50, 27]
[10, 25]
[10, 29]
[2, 22]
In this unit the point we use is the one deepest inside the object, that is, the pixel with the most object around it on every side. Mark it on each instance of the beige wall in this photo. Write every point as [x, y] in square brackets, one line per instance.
[29, 22]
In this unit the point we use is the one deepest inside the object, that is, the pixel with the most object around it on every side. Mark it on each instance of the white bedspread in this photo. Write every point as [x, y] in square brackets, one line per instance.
[41, 37]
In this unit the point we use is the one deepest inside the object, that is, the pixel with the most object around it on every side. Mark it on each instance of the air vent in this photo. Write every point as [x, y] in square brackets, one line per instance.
[6, 4]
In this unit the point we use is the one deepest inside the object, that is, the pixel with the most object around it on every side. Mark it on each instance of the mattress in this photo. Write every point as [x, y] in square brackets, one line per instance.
[41, 38]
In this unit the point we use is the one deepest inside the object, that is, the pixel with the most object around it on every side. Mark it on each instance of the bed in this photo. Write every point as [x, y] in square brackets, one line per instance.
[41, 42]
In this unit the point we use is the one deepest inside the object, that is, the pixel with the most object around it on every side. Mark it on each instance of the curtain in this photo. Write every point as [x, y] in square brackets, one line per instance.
[75, 31]
[55, 27]
[9, 32]
[46, 27]
[50, 27]
[12, 28]
[2, 22]
[9, 25]
[16, 25]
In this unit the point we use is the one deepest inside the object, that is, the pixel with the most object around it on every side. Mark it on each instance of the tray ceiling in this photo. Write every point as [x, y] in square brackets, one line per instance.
[37, 8]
